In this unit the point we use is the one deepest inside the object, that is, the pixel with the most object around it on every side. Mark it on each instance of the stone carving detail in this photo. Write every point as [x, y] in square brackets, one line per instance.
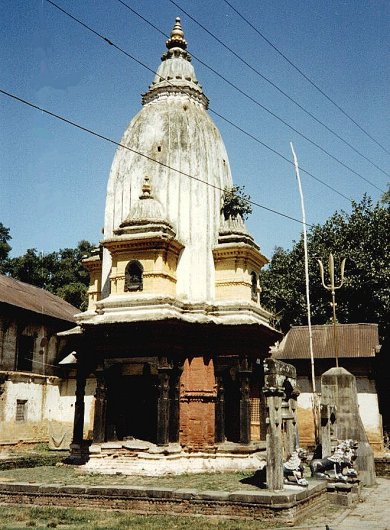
[338, 465]
[293, 469]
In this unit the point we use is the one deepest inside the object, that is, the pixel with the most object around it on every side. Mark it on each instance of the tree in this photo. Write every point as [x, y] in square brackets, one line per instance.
[61, 273]
[361, 237]
[5, 248]
[235, 202]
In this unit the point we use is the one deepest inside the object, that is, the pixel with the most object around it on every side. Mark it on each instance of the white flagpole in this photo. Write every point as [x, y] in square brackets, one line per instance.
[313, 381]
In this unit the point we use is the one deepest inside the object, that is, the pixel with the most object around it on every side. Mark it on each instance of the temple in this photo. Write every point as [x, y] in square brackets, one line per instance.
[175, 334]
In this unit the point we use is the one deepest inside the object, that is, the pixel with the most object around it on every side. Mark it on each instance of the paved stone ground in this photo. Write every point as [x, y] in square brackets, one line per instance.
[372, 514]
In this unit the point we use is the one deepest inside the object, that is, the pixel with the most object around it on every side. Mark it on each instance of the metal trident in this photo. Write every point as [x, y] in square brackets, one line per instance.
[332, 288]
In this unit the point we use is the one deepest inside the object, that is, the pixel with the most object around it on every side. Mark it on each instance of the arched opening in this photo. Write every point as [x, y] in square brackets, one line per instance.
[134, 276]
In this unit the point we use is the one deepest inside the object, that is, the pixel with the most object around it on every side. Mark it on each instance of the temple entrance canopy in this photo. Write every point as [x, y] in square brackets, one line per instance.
[174, 332]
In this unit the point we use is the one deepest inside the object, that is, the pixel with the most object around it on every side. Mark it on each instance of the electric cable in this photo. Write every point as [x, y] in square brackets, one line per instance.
[256, 102]
[118, 144]
[111, 43]
[299, 70]
[257, 72]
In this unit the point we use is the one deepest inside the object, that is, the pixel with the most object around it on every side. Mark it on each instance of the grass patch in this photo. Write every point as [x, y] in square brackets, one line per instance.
[39, 518]
[69, 475]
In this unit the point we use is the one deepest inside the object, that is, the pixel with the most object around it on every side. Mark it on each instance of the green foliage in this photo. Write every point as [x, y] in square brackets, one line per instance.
[236, 202]
[4, 245]
[363, 238]
[61, 273]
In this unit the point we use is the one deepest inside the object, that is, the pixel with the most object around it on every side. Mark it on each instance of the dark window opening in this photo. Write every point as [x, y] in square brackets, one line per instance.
[21, 410]
[134, 276]
[25, 353]
[159, 148]
[254, 286]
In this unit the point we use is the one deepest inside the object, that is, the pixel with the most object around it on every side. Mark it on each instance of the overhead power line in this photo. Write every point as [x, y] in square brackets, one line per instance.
[135, 151]
[111, 43]
[281, 91]
[245, 94]
[305, 76]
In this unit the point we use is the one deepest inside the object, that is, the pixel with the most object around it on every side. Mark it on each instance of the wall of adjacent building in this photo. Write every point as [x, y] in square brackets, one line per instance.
[48, 409]
[37, 405]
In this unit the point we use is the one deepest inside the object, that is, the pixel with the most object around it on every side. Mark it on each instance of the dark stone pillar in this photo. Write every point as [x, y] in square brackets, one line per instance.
[279, 379]
[245, 404]
[220, 409]
[274, 438]
[164, 374]
[79, 452]
[79, 407]
[99, 420]
[174, 404]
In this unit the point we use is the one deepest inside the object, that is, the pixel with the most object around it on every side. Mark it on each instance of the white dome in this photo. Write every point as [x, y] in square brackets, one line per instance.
[174, 128]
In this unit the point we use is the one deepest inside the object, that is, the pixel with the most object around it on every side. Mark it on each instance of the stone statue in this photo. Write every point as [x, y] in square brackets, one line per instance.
[341, 460]
[293, 469]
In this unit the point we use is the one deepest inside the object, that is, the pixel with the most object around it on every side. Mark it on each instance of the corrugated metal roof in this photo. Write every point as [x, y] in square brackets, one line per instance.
[354, 340]
[20, 294]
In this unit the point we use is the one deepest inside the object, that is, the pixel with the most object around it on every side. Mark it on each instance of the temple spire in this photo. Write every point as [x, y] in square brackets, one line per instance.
[177, 39]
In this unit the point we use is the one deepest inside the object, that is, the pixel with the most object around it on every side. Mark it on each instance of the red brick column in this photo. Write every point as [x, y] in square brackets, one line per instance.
[197, 403]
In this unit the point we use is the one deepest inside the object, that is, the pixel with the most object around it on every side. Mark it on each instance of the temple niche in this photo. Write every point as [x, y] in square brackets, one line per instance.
[174, 332]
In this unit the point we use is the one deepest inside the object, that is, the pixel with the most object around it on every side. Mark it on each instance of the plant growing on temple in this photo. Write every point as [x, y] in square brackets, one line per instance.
[235, 202]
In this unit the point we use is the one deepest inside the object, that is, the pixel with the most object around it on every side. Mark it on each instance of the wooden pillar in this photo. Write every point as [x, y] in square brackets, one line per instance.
[174, 404]
[79, 407]
[220, 409]
[164, 371]
[245, 404]
[99, 420]
[274, 438]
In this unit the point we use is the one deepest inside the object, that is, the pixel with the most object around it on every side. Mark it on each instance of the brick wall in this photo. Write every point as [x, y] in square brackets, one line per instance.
[197, 403]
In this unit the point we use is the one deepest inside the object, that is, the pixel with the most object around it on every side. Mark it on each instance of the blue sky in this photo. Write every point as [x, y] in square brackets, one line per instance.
[54, 177]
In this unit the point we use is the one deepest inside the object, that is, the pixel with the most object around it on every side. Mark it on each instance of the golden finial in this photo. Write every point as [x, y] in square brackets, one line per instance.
[177, 39]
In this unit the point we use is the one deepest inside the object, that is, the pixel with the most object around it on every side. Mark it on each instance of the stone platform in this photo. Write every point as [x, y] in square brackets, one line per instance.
[137, 457]
[289, 506]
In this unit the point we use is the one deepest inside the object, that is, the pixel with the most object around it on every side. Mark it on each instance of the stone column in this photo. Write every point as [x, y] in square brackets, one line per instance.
[245, 404]
[326, 448]
[220, 408]
[274, 439]
[99, 420]
[164, 372]
[339, 386]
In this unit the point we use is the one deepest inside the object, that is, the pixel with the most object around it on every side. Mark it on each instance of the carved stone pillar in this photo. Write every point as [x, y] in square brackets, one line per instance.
[164, 374]
[220, 409]
[245, 404]
[276, 376]
[99, 420]
[274, 439]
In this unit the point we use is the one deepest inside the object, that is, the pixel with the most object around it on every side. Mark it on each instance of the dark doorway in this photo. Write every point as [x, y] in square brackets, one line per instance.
[132, 407]
[232, 406]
